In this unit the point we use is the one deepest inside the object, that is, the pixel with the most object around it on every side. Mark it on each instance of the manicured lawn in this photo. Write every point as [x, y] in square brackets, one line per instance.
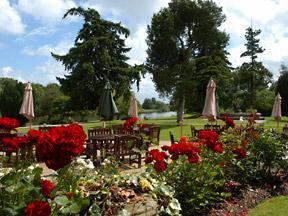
[277, 206]
[169, 124]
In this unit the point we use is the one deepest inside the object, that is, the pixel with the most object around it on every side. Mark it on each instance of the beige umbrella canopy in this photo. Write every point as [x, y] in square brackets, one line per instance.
[276, 112]
[27, 108]
[209, 110]
[133, 109]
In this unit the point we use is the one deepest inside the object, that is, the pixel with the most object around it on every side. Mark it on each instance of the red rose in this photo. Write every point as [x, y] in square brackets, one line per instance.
[128, 124]
[157, 155]
[240, 153]
[148, 160]
[57, 146]
[160, 166]
[38, 208]
[9, 124]
[193, 159]
[34, 135]
[10, 145]
[46, 187]
[22, 142]
[218, 148]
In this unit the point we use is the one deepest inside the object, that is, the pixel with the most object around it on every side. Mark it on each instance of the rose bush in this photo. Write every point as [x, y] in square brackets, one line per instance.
[57, 146]
[8, 124]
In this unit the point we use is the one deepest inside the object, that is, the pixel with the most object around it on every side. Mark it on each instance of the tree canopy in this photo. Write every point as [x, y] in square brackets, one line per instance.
[252, 76]
[98, 55]
[282, 88]
[186, 48]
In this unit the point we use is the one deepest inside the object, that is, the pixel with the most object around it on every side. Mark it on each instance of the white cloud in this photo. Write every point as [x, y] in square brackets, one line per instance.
[61, 48]
[47, 72]
[10, 21]
[6, 71]
[9, 72]
[47, 11]
[137, 42]
[146, 89]
[134, 13]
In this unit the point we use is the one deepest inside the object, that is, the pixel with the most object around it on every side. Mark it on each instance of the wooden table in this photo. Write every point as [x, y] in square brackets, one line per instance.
[103, 143]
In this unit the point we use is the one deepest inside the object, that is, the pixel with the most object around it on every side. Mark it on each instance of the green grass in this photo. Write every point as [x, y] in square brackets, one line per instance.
[169, 124]
[277, 206]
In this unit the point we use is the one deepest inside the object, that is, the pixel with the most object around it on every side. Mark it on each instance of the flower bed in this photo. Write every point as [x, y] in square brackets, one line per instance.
[190, 177]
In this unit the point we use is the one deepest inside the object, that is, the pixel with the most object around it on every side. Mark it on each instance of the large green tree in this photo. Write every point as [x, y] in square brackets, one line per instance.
[99, 54]
[186, 48]
[253, 76]
[11, 95]
[282, 88]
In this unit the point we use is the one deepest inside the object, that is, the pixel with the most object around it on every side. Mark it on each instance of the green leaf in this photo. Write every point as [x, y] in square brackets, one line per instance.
[174, 204]
[75, 208]
[95, 210]
[104, 191]
[61, 200]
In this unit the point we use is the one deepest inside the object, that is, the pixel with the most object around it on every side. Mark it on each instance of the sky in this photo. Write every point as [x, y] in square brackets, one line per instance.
[31, 29]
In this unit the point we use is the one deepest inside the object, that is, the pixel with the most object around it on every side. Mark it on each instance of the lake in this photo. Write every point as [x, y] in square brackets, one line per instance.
[154, 115]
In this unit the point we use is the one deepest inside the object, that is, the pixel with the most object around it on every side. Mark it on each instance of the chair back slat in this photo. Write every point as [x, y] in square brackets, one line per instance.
[98, 131]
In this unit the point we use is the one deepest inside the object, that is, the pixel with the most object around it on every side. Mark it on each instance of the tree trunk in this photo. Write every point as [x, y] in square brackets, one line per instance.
[180, 109]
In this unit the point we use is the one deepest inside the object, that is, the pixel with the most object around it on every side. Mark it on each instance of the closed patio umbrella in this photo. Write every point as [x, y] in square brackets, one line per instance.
[107, 108]
[276, 112]
[27, 107]
[133, 109]
[209, 110]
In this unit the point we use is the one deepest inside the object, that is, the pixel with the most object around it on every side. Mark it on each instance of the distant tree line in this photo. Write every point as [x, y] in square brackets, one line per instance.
[152, 103]
[185, 49]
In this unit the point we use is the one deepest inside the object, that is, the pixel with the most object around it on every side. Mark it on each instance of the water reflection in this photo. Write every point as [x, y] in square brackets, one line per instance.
[154, 115]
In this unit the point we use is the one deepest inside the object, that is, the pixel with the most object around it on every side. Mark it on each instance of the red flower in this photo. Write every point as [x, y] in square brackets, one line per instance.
[142, 125]
[229, 121]
[38, 208]
[128, 124]
[9, 124]
[218, 148]
[221, 164]
[157, 155]
[148, 160]
[10, 144]
[34, 135]
[160, 166]
[240, 153]
[208, 135]
[210, 139]
[46, 187]
[57, 146]
[22, 142]
[193, 159]
[190, 149]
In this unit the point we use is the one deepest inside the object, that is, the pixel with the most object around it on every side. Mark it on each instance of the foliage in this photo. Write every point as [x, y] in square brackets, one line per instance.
[282, 88]
[268, 153]
[152, 103]
[264, 101]
[198, 183]
[98, 55]
[183, 42]
[123, 104]
[11, 94]
[253, 75]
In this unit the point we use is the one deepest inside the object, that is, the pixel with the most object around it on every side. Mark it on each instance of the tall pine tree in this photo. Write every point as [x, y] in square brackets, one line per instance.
[99, 54]
[253, 75]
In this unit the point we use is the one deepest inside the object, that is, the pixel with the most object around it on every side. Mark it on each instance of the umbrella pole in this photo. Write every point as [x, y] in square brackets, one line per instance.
[277, 125]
